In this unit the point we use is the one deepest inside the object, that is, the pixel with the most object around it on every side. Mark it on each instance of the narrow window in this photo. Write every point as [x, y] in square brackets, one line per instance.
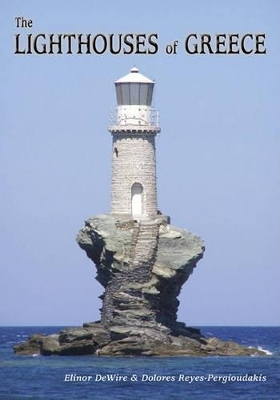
[116, 153]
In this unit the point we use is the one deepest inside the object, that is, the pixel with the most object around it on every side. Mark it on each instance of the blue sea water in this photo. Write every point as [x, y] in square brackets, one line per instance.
[170, 378]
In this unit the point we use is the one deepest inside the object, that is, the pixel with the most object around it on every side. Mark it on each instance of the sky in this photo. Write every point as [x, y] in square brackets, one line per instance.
[218, 156]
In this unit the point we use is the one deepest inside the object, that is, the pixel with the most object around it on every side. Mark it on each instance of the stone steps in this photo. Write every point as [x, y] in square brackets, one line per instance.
[142, 255]
[143, 249]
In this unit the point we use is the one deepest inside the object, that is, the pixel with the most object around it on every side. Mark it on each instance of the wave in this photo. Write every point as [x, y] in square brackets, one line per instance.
[267, 352]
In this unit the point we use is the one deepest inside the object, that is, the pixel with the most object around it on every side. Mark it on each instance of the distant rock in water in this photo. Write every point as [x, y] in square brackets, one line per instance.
[142, 267]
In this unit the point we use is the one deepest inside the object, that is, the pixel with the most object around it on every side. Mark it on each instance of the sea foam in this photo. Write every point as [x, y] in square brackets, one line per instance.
[267, 352]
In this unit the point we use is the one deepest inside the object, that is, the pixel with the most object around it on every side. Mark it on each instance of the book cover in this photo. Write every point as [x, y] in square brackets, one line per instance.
[216, 72]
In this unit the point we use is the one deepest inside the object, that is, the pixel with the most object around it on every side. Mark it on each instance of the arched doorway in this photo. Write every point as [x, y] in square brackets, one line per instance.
[136, 199]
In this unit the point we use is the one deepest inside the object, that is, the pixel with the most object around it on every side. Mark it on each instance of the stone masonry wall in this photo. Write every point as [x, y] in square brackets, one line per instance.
[134, 161]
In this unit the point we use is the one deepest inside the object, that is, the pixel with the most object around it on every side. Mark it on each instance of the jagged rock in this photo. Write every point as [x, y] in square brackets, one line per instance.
[39, 344]
[93, 339]
[142, 267]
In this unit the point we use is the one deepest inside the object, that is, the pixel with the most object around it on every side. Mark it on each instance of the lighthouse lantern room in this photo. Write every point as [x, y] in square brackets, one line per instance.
[134, 126]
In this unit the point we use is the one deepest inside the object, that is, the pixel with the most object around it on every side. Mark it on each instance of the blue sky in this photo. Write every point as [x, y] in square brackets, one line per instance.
[217, 157]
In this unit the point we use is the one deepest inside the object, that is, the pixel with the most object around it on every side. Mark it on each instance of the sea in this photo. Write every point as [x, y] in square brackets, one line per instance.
[145, 378]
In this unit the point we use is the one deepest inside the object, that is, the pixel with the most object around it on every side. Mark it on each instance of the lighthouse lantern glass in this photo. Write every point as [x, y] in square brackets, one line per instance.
[136, 93]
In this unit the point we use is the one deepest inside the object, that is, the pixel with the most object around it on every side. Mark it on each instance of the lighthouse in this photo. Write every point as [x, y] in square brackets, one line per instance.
[134, 126]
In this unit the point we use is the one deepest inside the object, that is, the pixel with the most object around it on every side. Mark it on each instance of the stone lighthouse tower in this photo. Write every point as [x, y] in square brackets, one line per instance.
[134, 127]
[142, 260]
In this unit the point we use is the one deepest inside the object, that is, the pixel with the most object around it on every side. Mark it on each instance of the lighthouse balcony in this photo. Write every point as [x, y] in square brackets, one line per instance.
[138, 120]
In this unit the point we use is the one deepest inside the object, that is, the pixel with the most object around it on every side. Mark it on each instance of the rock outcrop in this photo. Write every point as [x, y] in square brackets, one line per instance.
[142, 267]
